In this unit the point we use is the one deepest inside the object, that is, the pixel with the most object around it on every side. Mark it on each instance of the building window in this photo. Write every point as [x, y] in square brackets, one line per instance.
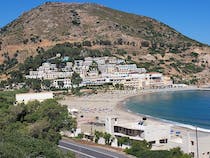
[192, 143]
[116, 129]
[152, 142]
[163, 141]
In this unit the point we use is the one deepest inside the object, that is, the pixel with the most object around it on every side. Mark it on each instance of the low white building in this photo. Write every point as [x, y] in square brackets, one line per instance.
[162, 136]
[154, 134]
[27, 97]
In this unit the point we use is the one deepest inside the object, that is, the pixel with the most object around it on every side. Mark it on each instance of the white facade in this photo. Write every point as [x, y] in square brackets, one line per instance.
[62, 83]
[155, 134]
[162, 136]
[78, 63]
[107, 68]
[49, 72]
[68, 67]
[190, 143]
[27, 97]
[110, 70]
[133, 80]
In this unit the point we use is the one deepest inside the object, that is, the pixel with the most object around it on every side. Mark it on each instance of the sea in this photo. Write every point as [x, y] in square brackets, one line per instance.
[184, 107]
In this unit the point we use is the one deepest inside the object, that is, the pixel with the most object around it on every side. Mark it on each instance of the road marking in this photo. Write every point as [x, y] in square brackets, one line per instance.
[89, 149]
[76, 151]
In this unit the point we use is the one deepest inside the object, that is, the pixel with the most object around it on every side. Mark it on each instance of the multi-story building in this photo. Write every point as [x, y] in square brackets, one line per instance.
[68, 67]
[105, 70]
[78, 63]
[49, 72]
[130, 68]
[62, 83]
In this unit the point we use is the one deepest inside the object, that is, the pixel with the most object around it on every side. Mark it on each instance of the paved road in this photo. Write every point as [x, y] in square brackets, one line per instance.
[88, 151]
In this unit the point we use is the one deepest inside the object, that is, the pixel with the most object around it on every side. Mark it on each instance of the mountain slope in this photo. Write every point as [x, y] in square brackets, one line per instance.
[148, 42]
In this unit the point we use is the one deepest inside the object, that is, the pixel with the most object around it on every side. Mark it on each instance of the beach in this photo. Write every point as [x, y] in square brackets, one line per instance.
[111, 104]
[101, 105]
[94, 109]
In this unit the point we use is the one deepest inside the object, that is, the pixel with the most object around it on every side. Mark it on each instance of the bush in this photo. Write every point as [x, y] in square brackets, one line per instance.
[121, 52]
[86, 43]
[76, 22]
[119, 41]
[192, 68]
[145, 44]
[194, 54]
[105, 42]
[141, 149]
[134, 53]
[128, 57]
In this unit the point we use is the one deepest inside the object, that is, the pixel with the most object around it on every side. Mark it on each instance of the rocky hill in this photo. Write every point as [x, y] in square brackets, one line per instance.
[147, 42]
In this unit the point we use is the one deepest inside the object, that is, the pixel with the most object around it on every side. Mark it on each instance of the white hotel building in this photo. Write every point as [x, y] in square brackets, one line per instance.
[162, 136]
[109, 70]
[49, 71]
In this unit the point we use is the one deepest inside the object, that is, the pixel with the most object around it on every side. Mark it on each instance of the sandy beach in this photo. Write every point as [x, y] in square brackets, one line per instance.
[95, 108]
[111, 104]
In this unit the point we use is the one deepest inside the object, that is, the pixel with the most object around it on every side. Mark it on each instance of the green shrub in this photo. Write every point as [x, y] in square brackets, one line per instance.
[141, 149]
[194, 54]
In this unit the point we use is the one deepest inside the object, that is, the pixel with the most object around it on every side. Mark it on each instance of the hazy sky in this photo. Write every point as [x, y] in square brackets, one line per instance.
[190, 17]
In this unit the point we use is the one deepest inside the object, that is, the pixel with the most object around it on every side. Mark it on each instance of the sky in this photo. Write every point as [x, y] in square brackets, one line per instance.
[190, 17]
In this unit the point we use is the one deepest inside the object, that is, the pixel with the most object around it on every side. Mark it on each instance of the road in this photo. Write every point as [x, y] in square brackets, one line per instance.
[85, 151]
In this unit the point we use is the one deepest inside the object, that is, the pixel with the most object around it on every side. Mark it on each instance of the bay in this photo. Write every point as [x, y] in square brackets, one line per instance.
[187, 107]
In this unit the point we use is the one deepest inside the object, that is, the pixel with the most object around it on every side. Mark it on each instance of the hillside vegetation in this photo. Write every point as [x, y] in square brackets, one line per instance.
[32, 130]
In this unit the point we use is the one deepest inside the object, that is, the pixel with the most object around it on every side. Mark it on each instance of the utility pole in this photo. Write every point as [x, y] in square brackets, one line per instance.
[196, 132]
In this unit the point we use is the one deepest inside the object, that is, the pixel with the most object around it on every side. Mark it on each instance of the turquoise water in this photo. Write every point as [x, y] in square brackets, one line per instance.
[188, 107]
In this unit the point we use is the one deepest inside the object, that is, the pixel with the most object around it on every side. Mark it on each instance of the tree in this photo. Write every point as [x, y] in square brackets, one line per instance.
[76, 79]
[98, 135]
[16, 77]
[16, 144]
[86, 43]
[119, 86]
[94, 66]
[141, 149]
[108, 138]
[3, 84]
[34, 84]
[123, 140]
[145, 44]
[46, 83]
[128, 57]
[32, 130]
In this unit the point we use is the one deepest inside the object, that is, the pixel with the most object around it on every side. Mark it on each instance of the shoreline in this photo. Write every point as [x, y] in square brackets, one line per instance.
[121, 105]
[173, 123]
[112, 103]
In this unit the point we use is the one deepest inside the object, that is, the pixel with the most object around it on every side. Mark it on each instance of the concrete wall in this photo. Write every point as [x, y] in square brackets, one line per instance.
[26, 97]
